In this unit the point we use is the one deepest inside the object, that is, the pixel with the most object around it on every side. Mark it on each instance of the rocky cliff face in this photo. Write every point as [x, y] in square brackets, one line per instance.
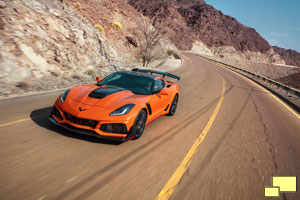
[47, 45]
[192, 22]
[291, 57]
[202, 22]
[167, 16]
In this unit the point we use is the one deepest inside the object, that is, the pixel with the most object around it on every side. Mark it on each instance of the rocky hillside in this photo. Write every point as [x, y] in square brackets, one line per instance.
[193, 22]
[105, 13]
[203, 22]
[291, 80]
[291, 57]
[47, 45]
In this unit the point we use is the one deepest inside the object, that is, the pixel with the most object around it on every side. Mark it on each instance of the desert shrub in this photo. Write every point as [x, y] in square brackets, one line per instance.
[140, 60]
[131, 41]
[34, 40]
[170, 52]
[90, 72]
[78, 5]
[76, 76]
[132, 54]
[23, 85]
[148, 39]
[118, 25]
[99, 27]
[102, 64]
[54, 73]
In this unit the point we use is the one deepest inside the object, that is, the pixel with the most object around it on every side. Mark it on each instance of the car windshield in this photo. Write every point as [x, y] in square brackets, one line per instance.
[137, 84]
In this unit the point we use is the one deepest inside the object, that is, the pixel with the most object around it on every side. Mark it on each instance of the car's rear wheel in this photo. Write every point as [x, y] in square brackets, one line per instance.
[173, 106]
[139, 125]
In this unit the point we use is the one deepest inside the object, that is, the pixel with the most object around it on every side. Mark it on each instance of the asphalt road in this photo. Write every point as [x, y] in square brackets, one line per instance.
[252, 138]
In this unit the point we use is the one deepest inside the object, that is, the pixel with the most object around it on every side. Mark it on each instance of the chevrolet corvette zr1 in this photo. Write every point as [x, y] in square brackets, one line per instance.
[117, 107]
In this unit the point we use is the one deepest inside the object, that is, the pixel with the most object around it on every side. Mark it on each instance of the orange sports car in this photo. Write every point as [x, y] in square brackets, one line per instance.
[117, 107]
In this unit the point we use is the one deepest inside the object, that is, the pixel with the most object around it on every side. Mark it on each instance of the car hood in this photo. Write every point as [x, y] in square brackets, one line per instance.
[104, 96]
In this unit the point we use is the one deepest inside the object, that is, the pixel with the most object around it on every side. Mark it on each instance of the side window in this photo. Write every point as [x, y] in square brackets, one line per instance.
[158, 85]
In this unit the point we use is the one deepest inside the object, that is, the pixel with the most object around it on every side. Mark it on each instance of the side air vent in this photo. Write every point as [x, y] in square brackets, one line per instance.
[167, 107]
[149, 108]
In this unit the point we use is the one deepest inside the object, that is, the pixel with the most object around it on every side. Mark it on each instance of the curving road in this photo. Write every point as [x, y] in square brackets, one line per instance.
[253, 137]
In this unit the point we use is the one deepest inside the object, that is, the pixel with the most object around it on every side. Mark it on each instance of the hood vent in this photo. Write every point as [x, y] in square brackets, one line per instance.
[104, 91]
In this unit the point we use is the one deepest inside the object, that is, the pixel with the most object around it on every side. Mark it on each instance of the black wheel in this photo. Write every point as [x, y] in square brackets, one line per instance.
[139, 124]
[173, 106]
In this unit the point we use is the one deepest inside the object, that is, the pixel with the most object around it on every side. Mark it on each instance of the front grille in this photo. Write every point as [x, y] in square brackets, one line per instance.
[80, 129]
[114, 128]
[56, 113]
[80, 121]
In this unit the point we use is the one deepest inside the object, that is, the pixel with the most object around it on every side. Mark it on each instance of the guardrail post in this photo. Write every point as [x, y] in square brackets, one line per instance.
[287, 91]
[282, 88]
[270, 84]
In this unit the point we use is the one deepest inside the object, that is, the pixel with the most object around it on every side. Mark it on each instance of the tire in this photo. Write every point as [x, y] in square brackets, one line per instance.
[139, 125]
[173, 106]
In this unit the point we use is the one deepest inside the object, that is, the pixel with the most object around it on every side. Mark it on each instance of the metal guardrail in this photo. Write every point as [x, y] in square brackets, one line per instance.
[288, 90]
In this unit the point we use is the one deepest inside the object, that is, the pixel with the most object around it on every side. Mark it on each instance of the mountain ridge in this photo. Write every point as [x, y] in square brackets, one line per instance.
[189, 21]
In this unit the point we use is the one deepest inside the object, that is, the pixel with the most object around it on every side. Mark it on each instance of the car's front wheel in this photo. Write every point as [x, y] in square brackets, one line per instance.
[139, 125]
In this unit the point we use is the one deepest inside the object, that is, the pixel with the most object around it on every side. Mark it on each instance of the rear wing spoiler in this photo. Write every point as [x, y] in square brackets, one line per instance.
[156, 72]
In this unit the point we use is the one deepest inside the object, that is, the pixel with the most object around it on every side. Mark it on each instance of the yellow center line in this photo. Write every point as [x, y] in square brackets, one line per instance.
[275, 97]
[168, 189]
[14, 122]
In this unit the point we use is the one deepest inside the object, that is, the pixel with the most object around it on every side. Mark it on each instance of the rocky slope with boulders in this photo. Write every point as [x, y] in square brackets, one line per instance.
[291, 57]
[48, 45]
[196, 26]
[291, 80]
[201, 21]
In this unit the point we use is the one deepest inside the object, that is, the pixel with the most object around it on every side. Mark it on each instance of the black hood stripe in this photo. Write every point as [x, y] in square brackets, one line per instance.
[104, 91]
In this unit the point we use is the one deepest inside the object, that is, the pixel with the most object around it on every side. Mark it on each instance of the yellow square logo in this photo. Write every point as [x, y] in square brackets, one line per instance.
[281, 184]
[285, 183]
[271, 191]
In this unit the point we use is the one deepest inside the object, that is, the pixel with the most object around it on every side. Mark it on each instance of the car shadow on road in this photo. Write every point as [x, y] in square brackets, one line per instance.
[40, 117]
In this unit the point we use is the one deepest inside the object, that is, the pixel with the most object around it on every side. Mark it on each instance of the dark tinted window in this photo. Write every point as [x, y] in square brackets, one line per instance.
[158, 85]
[136, 83]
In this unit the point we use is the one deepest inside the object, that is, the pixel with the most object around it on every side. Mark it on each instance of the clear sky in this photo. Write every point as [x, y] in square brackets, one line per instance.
[277, 21]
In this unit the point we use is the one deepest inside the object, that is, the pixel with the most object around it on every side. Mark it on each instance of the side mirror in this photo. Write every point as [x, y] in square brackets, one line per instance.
[98, 78]
[163, 92]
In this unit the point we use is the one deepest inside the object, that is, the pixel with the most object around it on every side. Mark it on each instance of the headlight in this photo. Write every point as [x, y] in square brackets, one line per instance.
[64, 96]
[122, 110]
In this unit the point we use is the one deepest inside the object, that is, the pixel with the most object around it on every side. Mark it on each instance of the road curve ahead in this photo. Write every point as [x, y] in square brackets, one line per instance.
[251, 138]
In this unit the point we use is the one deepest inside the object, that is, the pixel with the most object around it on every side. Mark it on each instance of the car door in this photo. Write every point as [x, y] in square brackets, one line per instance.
[158, 102]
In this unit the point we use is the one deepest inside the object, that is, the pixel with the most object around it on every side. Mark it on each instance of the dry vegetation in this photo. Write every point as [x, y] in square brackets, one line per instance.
[128, 30]
[148, 39]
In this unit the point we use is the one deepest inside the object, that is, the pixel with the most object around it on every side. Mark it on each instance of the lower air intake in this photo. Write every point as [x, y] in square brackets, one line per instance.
[56, 113]
[114, 128]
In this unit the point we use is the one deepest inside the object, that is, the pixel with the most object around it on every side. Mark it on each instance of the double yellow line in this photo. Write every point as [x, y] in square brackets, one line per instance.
[168, 189]
[267, 91]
